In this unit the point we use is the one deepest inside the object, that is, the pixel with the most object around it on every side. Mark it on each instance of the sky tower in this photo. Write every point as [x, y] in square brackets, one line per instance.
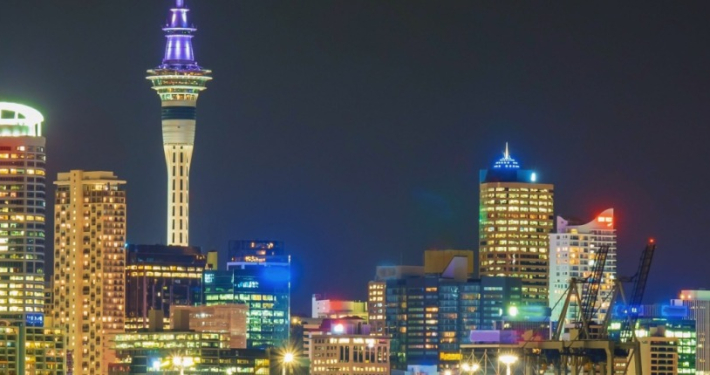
[178, 81]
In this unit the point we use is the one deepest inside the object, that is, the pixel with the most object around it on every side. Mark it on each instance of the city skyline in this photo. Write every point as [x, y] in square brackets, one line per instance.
[317, 137]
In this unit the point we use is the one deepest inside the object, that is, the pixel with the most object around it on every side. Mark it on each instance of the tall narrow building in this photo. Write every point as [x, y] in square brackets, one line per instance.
[22, 236]
[698, 303]
[516, 217]
[89, 266]
[178, 81]
[574, 248]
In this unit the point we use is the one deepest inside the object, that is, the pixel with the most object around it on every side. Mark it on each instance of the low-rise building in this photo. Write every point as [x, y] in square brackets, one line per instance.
[230, 319]
[156, 352]
[345, 347]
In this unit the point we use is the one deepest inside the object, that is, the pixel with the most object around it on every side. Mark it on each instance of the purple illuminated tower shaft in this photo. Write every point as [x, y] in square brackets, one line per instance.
[178, 81]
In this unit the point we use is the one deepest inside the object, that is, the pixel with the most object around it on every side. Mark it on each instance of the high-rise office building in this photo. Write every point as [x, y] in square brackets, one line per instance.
[698, 303]
[430, 315]
[89, 266]
[516, 216]
[178, 81]
[574, 248]
[22, 246]
[158, 277]
[259, 275]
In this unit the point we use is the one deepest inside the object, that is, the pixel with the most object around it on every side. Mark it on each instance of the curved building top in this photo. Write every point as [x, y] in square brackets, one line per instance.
[603, 221]
[17, 120]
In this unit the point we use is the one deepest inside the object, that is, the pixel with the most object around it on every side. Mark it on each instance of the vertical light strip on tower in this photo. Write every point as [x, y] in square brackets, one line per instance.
[178, 81]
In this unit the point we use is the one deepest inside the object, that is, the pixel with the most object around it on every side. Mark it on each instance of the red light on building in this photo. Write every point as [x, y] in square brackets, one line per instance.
[608, 220]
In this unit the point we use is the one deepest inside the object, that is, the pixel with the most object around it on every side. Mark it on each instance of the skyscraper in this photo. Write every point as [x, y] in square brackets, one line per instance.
[516, 214]
[89, 265]
[22, 236]
[22, 212]
[178, 81]
[573, 253]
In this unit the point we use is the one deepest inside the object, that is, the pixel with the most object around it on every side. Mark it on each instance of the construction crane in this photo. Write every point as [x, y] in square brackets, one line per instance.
[589, 298]
[640, 279]
[600, 350]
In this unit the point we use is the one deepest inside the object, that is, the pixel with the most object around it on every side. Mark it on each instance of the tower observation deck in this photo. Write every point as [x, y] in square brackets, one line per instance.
[178, 81]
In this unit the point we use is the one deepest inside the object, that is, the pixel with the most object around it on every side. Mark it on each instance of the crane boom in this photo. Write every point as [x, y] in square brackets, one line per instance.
[594, 284]
[642, 274]
[640, 280]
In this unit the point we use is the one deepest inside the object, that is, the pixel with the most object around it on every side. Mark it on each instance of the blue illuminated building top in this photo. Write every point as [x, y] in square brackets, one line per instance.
[507, 169]
[506, 162]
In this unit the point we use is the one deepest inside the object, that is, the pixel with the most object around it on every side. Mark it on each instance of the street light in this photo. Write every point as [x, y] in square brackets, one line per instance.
[287, 360]
[508, 360]
[473, 367]
[182, 363]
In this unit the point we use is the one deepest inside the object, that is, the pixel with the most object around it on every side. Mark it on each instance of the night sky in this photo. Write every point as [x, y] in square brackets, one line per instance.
[354, 130]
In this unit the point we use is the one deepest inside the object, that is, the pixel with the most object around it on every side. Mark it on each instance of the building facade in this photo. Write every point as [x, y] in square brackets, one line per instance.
[158, 277]
[376, 290]
[169, 352]
[27, 346]
[89, 266]
[698, 304]
[344, 351]
[573, 254]
[429, 316]
[230, 319]
[258, 275]
[659, 355]
[516, 216]
[331, 308]
[178, 81]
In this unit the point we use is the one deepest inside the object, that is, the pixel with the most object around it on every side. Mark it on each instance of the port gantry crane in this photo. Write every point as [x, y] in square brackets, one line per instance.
[595, 351]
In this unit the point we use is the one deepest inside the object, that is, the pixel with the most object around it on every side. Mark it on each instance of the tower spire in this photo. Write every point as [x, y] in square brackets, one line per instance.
[506, 155]
[179, 81]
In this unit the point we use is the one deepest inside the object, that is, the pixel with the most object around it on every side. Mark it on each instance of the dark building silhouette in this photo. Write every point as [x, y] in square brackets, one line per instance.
[159, 276]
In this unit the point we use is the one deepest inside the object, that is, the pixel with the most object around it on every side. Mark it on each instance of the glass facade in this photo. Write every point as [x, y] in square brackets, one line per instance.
[429, 318]
[258, 275]
[159, 276]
